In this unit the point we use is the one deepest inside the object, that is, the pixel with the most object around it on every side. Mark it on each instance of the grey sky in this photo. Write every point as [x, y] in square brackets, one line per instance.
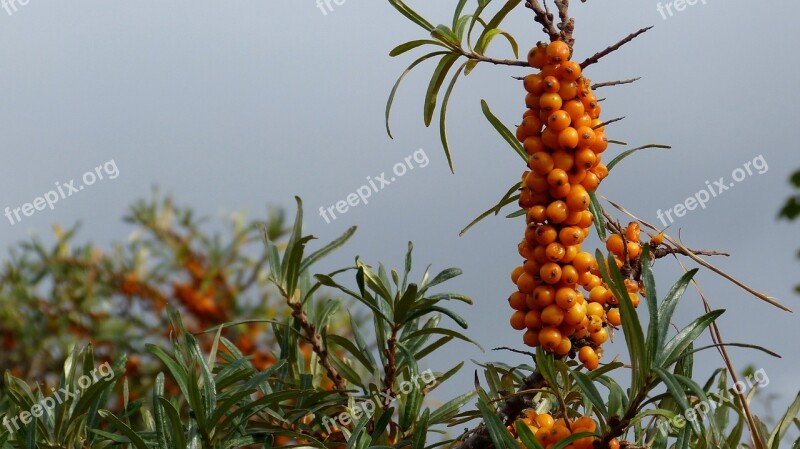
[235, 105]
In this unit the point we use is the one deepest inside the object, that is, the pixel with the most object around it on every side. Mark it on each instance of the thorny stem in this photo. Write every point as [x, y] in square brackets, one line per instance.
[615, 83]
[545, 18]
[481, 58]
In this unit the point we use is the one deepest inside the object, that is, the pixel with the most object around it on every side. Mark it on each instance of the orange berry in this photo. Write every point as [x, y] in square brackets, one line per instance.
[557, 177]
[586, 353]
[536, 183]
[587, 220]
[541, 163]
[516, 274]
[549, 102]
[633, 231]
[563, 160]
[578, 198]
[574, 216]
[536, 214]
[555, 252]
[537, 56]
[572, 251]
[564, 347]
[613, 444]
[575, 110]
[576, 175]
[533, 83]
[595, 309]
[543, 296]
[532, 267]
[601, 171]
[575, 314]
[546, 234]
[557, 212]
[634, 250]
[532, 320]
[531, 125]
[550, 338]
[558, 120]
[526, 283]
[584, 120]
[568, 138]
[599, 337]
[584, 262]
[540, 255]
[517, 301]
[533, 144]
[566, 297]
[569, 275]
[533, 101]
[595, 323]
[599, 295]
[531, 338]
[558, 51]
[586, 137]
[549, 137]
[550, 273]
[600, 142]
[571, 236]
[518, 320]
[657, 240]
[552, 315]
[569, 71]
[568, 91]
[585, 158]
[614, 318]
[551, 85]
[591, 182]
[615, 244]
[545, 421]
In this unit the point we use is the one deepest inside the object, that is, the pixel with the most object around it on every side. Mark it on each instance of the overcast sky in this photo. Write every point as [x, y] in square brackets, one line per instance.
[237, 105]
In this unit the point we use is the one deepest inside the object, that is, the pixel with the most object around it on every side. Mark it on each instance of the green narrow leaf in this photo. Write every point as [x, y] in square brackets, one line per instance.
[411, 14]
[627, 153]
[450, 409]
[497, 431]
[677, 393]
[494, 23]
[504, 131]
[670, 303]
[507, 199]
[400, 79]
[443, 117]
[327, 249]
[459, 10]
[588, 389]
[410, 45]
[673, 350]
[134, 438]
[526, 436]
[599, 220]
[652, 304]
[435, 84]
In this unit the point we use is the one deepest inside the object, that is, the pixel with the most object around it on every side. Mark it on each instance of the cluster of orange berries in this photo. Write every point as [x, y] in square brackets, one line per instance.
[549, 431]
[564, 137]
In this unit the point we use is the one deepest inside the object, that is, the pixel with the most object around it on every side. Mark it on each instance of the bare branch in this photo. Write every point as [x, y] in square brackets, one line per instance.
[615, 83]
[597, 56]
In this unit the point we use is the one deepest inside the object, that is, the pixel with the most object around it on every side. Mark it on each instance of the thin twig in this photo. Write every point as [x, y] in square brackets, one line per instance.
[597, 56]
[505, 348]
[567, 25]
[609, 122]
[615, 83]
[481, 58]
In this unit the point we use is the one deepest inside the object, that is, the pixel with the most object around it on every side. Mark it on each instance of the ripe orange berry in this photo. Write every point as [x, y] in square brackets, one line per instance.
[533, 83]
[569, 71]
[557, 177]
[574, 216]
[551, 85]
[516, 273]
[591, 182]
[586, 136]
[569, 275]
[613, 444]
[557, 212]
[545, 421]
[550, 338]
[537, 56]
[633, 231]
[574, 315]
[585, 158]
[545, 235]
[600, 142]
[540, 255]
[595, 309]
[584, 262]
[532, 267]
[549, 137]
[634, 250]
[571, 236]
[517, 301]
[586, 353]
[555, 252]
[587, 220]
[595, 323]
[599, 337]
[531, 126]
[533, 101]
[566, 297]
[557, 51]
[550, 273]
[599, 295]
[568, 91]
[559, 120]
[549, 102]
[615, 244]
[564, 347]
[541, 163]
[531, 338]
[536, 214]
[568, 138]
[533, 144]
[601, 171]
[518, 320]
[584, 120]
[552, 315]
[614, 318]
[543, 296]
[532, 320]
[575, 110]
[563, 160]
[526, 283]
[578, 198]
[631, 286]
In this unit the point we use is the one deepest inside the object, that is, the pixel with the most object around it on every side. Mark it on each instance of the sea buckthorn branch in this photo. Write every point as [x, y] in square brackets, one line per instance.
[481, 58]
[599, 55]
[615, 83]
[545, 18]
[567, 25]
